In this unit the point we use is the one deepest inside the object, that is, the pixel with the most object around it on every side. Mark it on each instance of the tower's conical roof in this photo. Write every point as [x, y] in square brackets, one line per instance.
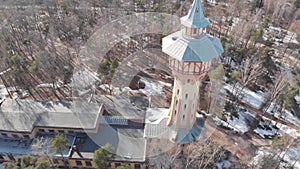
[195, 17]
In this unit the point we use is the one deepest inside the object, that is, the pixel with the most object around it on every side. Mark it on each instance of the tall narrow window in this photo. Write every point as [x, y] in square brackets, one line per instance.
[186, 96]
[183, 117]
[178, 92]
[184, 107]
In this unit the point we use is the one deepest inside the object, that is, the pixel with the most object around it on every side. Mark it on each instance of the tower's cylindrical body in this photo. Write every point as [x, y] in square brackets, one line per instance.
[185, 99]
[191, 51]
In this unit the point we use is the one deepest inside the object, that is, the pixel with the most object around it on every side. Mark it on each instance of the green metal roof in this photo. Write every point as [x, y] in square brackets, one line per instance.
[188, 49]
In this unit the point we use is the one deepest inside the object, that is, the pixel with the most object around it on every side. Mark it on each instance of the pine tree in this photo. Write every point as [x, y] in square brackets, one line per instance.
[103, 156]
[60, 144]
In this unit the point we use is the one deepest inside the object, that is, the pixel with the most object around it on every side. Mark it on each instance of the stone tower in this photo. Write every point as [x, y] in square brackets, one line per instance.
[191, 51]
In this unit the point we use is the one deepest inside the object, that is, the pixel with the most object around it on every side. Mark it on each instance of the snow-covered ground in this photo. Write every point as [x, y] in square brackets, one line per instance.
[287, 115]
[290, 117]
[270, 128]
[3, 90]
[274, 32]
[267, 129]
[152, 87]
[240, 124]
[297, 98]
[255, 99]
[291, 158]
[223, 164]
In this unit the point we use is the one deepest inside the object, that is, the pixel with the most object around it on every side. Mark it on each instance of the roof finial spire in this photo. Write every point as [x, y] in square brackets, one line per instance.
[195, 18]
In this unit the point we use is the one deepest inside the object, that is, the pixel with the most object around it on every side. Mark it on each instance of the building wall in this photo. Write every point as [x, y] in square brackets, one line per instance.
[133, 165]
[16, 135]
[31, 135]
[74, 162]
[185, 100]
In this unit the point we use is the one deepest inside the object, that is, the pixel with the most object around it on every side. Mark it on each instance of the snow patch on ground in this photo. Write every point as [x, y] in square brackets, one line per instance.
[269, 129]
[152, 87]
[223, 164]
[240, 124]
[287, 115]
[297, 98]
[3, 92]
[290, 117]
[291, 157]
[288, 130]
[255, 99]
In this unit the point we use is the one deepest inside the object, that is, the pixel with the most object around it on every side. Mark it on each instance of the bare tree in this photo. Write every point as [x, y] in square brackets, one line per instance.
[284, 144]
[204, 154]
[167, 160]
[40, 147]
[250, 72]
[280, 86]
